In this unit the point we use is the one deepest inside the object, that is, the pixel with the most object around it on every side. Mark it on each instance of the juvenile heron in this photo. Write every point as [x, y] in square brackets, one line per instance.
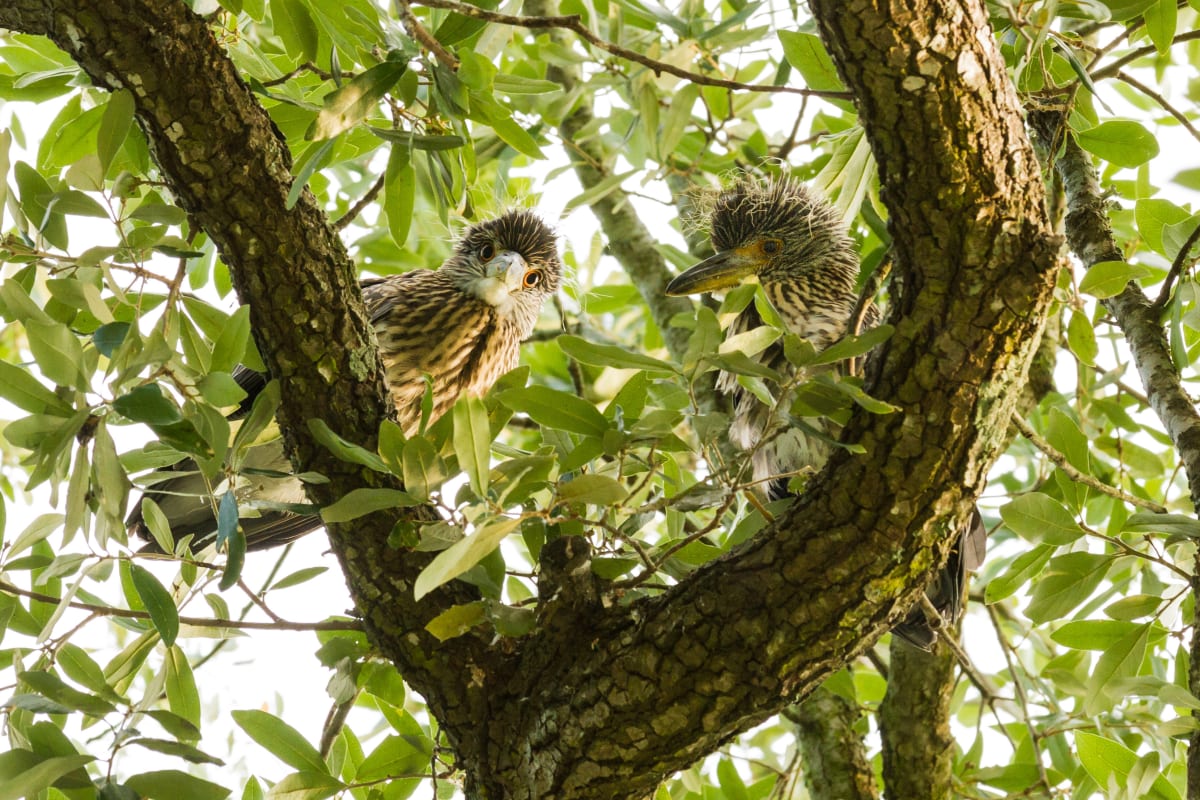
[461, 325]
[781, 234]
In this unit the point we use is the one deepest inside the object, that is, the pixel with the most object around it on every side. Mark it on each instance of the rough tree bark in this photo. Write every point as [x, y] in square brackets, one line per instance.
[606, 707]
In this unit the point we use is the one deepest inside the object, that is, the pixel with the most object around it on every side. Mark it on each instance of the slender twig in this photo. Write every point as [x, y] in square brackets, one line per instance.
[573, 23]
[1133, 552]
[1176, 270]
[417, 31]
[1022, 699]
[363, 202]
[1060, 459]
[307, 66]
[1149, 50]
[200, 622]
[938, 623]
[1154, 95]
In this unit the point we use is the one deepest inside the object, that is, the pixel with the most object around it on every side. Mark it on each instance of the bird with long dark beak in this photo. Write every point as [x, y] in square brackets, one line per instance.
[460, 326]
[790, 240]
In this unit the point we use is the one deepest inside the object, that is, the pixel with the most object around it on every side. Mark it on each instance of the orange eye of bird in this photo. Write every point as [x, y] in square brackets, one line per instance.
[770, 246]
[487, 251]
[532, 278]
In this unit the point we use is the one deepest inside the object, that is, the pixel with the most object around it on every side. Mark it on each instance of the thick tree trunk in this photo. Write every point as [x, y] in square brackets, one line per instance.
[833, 756]
[605, 707]
[914, 722]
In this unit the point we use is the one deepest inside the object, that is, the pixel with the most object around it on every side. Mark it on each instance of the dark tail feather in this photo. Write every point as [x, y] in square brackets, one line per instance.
[946, 591]
[185, 497]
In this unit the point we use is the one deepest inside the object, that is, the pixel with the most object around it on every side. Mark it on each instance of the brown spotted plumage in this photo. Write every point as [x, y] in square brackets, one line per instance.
[461, 325]
[783, 235]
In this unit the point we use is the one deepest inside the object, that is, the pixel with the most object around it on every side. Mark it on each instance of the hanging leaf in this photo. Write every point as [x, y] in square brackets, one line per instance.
[462, 555]
[556, 409]
[158, 603]
[472, 442]
[281, 740]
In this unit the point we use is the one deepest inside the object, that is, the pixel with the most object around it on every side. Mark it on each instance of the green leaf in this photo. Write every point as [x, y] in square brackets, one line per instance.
[599, 490]
[516, 136]
[295, 25]
[172, 748]
[343, 449]
[505, 83]
[1171, 524]
[298, 577]
[1067, 581]
[262, 414]
[114, 126]
[457, 620]
[607, 355]
[1081, 338]
[281, 740]
[311, 161]
[1120, 660]
[1153, 215]
[1124, 143]
[344, 108]
[1040, 518]
[80, 667]
[399, 194]
[27, 393]
[33, 780]
[107, 338]
[472, 442]
[1093, 634]
[1161, 21]
[174, 724]
[462, 555]
[148, 404]
[851, 346]
[807, 54]
[171, 784]
[306, 785]
[423, 469]
[1105, 758]
[158, 602]
[221, 389]
[556, 409]
[182, 695]
[360, 502]
[57, 351]
[1108, 278]
[80, 294]
[601, 189]
[855, 392]
[751, 342]
[52, 687]
[230, 346]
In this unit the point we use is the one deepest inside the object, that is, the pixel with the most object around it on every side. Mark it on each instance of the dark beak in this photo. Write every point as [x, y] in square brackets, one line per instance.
[722, 271]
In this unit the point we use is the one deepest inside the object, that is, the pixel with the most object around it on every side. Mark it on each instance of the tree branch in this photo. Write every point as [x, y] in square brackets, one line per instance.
[542, 19]
[199, 622]
[1060, 460]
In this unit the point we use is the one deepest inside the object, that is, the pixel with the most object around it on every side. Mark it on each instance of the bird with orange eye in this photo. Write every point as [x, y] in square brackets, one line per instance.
[459, 326]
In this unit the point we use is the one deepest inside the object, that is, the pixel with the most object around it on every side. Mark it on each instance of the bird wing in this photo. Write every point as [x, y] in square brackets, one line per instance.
[427, 326]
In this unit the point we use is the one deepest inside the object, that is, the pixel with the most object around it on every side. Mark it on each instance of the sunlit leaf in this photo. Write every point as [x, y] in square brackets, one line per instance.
[280, 739]
[462, 555]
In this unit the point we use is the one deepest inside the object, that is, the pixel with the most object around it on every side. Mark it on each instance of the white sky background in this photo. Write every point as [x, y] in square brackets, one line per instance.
[277, 671]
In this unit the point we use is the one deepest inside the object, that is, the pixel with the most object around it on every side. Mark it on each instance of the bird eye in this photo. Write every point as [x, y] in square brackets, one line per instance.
[532, 278]
[770, 246]
[487, 251]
